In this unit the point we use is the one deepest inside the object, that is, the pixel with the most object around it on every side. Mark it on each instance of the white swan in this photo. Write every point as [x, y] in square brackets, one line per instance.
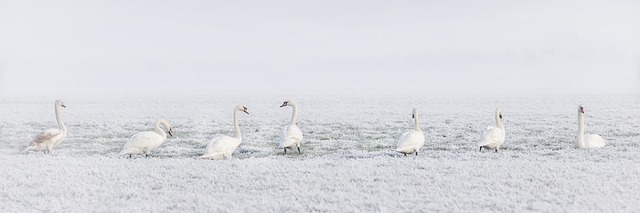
[494, 137]
[142, 143]
[587, 141]
[291, 135]
[50, 138]
[222, 147]
[411, 141]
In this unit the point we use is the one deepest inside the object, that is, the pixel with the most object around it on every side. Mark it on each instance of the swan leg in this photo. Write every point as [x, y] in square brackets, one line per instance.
[496, 149]
[481, 149]
[299, 152]
[416, 153]
[405, 154]
[285, 150]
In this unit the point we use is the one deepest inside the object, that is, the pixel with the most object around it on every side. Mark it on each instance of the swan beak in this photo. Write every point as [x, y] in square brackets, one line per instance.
[283, 105]
[246, 112]
[582, 109]
[500, 116]
[170, 133]
[63, 106]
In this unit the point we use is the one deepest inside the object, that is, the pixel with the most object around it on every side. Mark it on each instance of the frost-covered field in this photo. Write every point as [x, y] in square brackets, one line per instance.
[347, 163]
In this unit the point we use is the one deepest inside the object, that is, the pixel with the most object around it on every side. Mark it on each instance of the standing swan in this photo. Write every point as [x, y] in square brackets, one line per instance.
[222, 147]
[494, 137]
[587, 141]
[291, 135]
[50, 138]
[142, 143]
[411, 141]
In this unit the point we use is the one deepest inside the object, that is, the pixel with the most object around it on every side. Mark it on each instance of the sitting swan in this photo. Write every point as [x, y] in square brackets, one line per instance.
[222, 147]
[587, 141]
[142, 143]
[291, 135]
[494, 137]
[411, 141]
[50, 138]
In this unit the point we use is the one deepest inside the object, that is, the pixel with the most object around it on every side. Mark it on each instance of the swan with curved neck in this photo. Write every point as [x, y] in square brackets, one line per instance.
[590, 140]
[291, 135]
[50, 138]
[495, 135]
[411, 141]
[222, 147]
[142, 143]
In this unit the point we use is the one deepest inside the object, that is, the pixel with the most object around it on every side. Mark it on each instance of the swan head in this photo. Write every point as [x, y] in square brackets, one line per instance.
[581, 109]
[242, 108]
[414, 113]
[499, 113]
[287, 103]
[60, 103]
[170, 132]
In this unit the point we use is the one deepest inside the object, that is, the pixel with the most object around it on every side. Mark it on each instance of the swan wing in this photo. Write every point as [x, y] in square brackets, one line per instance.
[410, 140]
[221, 147]
[290, 136]
[593, 141]
[141, 142]
[493, 137]
[47, 136]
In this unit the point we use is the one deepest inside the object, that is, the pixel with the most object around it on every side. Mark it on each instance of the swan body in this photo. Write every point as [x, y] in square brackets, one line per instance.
[412, 141]
[142, 143]
[495, 135]
[50, 138]
[222, 147]
[590, 140]
[291, 135]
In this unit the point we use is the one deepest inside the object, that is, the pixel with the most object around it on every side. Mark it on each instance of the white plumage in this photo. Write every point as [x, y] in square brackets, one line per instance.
[143, 143]
[50, 138]
[412, 141]
[590, 140]
[495, 135]
[291, 135]
[222, 147]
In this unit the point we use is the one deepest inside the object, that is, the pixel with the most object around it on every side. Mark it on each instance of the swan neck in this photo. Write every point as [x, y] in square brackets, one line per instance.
[417, 125]
[59, 119]
[294, 115]
[159, 130]
[235, 124]
[580, 143]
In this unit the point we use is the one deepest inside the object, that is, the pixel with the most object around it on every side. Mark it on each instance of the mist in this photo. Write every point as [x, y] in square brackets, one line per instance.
[457, 46]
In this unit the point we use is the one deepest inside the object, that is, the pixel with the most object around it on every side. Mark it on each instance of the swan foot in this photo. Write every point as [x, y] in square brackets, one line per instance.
[496, 149]
[299, 152]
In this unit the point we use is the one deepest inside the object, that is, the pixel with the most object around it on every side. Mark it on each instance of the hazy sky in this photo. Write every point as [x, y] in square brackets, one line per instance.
[327, 44]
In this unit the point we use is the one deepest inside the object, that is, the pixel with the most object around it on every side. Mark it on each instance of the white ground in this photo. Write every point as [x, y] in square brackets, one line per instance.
[346, 165]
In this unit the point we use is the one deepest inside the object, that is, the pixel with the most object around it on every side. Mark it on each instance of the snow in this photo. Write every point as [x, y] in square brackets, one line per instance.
[347, 162]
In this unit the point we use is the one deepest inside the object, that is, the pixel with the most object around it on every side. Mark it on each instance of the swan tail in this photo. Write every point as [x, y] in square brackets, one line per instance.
[29, 148]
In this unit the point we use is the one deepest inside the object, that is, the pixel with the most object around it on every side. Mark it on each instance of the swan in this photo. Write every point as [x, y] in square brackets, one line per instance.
[494, 137]
[222, 147]
[50, 138]
[291, 135]
[142, 143]
[411, 141]
[590, 140]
